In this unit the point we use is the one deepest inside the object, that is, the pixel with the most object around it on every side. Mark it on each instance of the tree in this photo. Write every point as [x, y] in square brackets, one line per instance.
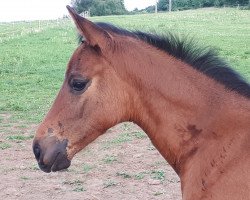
[162, 5]
[100, 7]
[81, 5]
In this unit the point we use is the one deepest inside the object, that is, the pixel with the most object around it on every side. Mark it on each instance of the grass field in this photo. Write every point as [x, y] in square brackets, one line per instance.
[33, 58]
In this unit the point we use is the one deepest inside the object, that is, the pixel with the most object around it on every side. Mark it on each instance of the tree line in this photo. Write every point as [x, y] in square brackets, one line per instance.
[163, 5]
[116, 7]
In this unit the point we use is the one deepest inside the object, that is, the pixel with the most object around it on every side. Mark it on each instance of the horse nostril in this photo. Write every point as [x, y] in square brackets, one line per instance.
[37, 151]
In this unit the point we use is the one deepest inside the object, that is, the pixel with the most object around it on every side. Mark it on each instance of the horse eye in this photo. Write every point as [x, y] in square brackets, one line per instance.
[78, 85]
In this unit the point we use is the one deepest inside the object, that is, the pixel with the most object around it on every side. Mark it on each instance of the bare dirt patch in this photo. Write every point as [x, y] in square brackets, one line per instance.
[120, 164]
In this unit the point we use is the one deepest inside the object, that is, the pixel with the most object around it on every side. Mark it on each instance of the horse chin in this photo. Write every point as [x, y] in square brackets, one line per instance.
[61, 162]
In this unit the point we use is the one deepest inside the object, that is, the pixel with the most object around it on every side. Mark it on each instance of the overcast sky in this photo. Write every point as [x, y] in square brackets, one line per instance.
[17, 10]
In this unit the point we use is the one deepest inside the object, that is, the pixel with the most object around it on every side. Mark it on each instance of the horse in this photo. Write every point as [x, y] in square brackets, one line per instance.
[194, 108]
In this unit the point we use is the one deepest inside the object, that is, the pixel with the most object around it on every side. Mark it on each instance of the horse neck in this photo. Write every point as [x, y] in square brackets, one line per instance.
[186, 114]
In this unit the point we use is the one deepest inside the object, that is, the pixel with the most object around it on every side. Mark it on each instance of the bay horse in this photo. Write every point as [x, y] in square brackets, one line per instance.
[192, 105]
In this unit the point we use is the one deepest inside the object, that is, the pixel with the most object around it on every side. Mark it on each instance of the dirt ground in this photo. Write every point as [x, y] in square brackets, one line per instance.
[121, 164]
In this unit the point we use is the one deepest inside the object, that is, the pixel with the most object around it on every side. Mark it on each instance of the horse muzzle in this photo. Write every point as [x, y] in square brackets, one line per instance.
[51, 154]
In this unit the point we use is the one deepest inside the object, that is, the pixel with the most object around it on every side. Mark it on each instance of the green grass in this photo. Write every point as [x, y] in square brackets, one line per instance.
[35, 167]
[109, 159]
[4, 146]
[31, 71]
[158, 175]
[33, 62]
[158, 193]
[19, 137]
[139, 134]
[87, 168]
[123, 174]
[77, 185]
[79, 189]
[140, 175]
[24, 178]
[109, 183]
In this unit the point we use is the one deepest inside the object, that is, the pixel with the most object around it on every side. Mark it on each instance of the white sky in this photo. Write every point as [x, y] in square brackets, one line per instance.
[17, 10]
[140, 4]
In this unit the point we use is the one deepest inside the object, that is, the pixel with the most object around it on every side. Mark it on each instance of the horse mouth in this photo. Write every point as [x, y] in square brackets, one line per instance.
[51, 154]
[61, 162]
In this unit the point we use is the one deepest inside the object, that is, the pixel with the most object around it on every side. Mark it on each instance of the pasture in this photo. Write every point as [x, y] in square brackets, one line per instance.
[122, 163]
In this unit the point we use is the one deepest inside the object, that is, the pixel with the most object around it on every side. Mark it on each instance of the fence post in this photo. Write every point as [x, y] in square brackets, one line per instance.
[39, 25]
[156, 9]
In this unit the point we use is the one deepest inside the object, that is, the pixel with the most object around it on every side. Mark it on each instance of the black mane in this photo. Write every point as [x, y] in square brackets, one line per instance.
[205, 60]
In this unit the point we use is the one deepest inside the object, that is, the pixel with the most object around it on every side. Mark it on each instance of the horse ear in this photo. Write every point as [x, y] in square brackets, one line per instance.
[93, 33]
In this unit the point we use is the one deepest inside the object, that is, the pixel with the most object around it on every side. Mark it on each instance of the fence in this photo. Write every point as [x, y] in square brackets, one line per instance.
[13, 30]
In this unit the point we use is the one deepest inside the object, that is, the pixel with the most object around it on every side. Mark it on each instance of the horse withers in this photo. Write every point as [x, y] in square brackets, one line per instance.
[192, 105]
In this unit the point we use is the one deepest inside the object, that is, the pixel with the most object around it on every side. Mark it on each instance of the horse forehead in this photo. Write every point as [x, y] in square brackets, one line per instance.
[81, 59]
[85, 61]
